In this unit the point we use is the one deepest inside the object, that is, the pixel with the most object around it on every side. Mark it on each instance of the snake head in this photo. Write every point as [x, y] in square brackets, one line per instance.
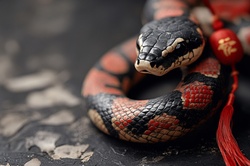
[167, 44]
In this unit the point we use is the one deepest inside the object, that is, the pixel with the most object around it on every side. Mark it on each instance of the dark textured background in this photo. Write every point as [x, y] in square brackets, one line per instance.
[57, 42]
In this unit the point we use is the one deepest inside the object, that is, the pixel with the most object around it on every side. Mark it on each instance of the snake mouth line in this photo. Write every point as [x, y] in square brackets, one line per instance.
[144, 71]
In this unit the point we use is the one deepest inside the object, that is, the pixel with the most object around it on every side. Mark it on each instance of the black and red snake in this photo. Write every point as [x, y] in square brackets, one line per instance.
[171, 38]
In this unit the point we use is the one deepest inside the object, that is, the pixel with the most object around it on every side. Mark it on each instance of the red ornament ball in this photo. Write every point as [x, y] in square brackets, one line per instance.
[226, 46]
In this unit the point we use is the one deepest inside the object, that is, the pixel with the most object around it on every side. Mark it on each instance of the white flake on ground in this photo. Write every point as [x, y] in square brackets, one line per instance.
[44, 140]
[5, 165]
[59, 118]
[11, 123]
[69, 151]
[86, 156]
[31, 82]
[53, 96]
[33, 162]
[145, 160]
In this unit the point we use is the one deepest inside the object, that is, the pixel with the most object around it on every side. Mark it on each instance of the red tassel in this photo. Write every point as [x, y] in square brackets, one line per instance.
[227, 144]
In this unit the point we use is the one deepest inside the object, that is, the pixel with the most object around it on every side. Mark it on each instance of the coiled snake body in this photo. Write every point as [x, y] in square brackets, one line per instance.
[173, 39]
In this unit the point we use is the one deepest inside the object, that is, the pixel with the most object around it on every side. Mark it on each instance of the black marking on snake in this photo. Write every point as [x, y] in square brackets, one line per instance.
[181, 49]
[131, 67]
[102, 104]
[171, 104]
[153, 108]
[120, 77]
[129, 74]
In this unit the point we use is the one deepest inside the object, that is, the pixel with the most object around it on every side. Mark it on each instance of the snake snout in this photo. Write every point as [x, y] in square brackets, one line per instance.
[146, 64]
[142, 65]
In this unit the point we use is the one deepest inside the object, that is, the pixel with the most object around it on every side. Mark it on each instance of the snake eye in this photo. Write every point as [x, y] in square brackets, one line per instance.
[181, 49]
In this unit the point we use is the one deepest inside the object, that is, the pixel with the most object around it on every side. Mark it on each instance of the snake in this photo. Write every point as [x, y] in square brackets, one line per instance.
[170, 38]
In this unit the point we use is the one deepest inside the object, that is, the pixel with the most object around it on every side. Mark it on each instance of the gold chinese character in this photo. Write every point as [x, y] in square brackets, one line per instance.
[226, 45]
